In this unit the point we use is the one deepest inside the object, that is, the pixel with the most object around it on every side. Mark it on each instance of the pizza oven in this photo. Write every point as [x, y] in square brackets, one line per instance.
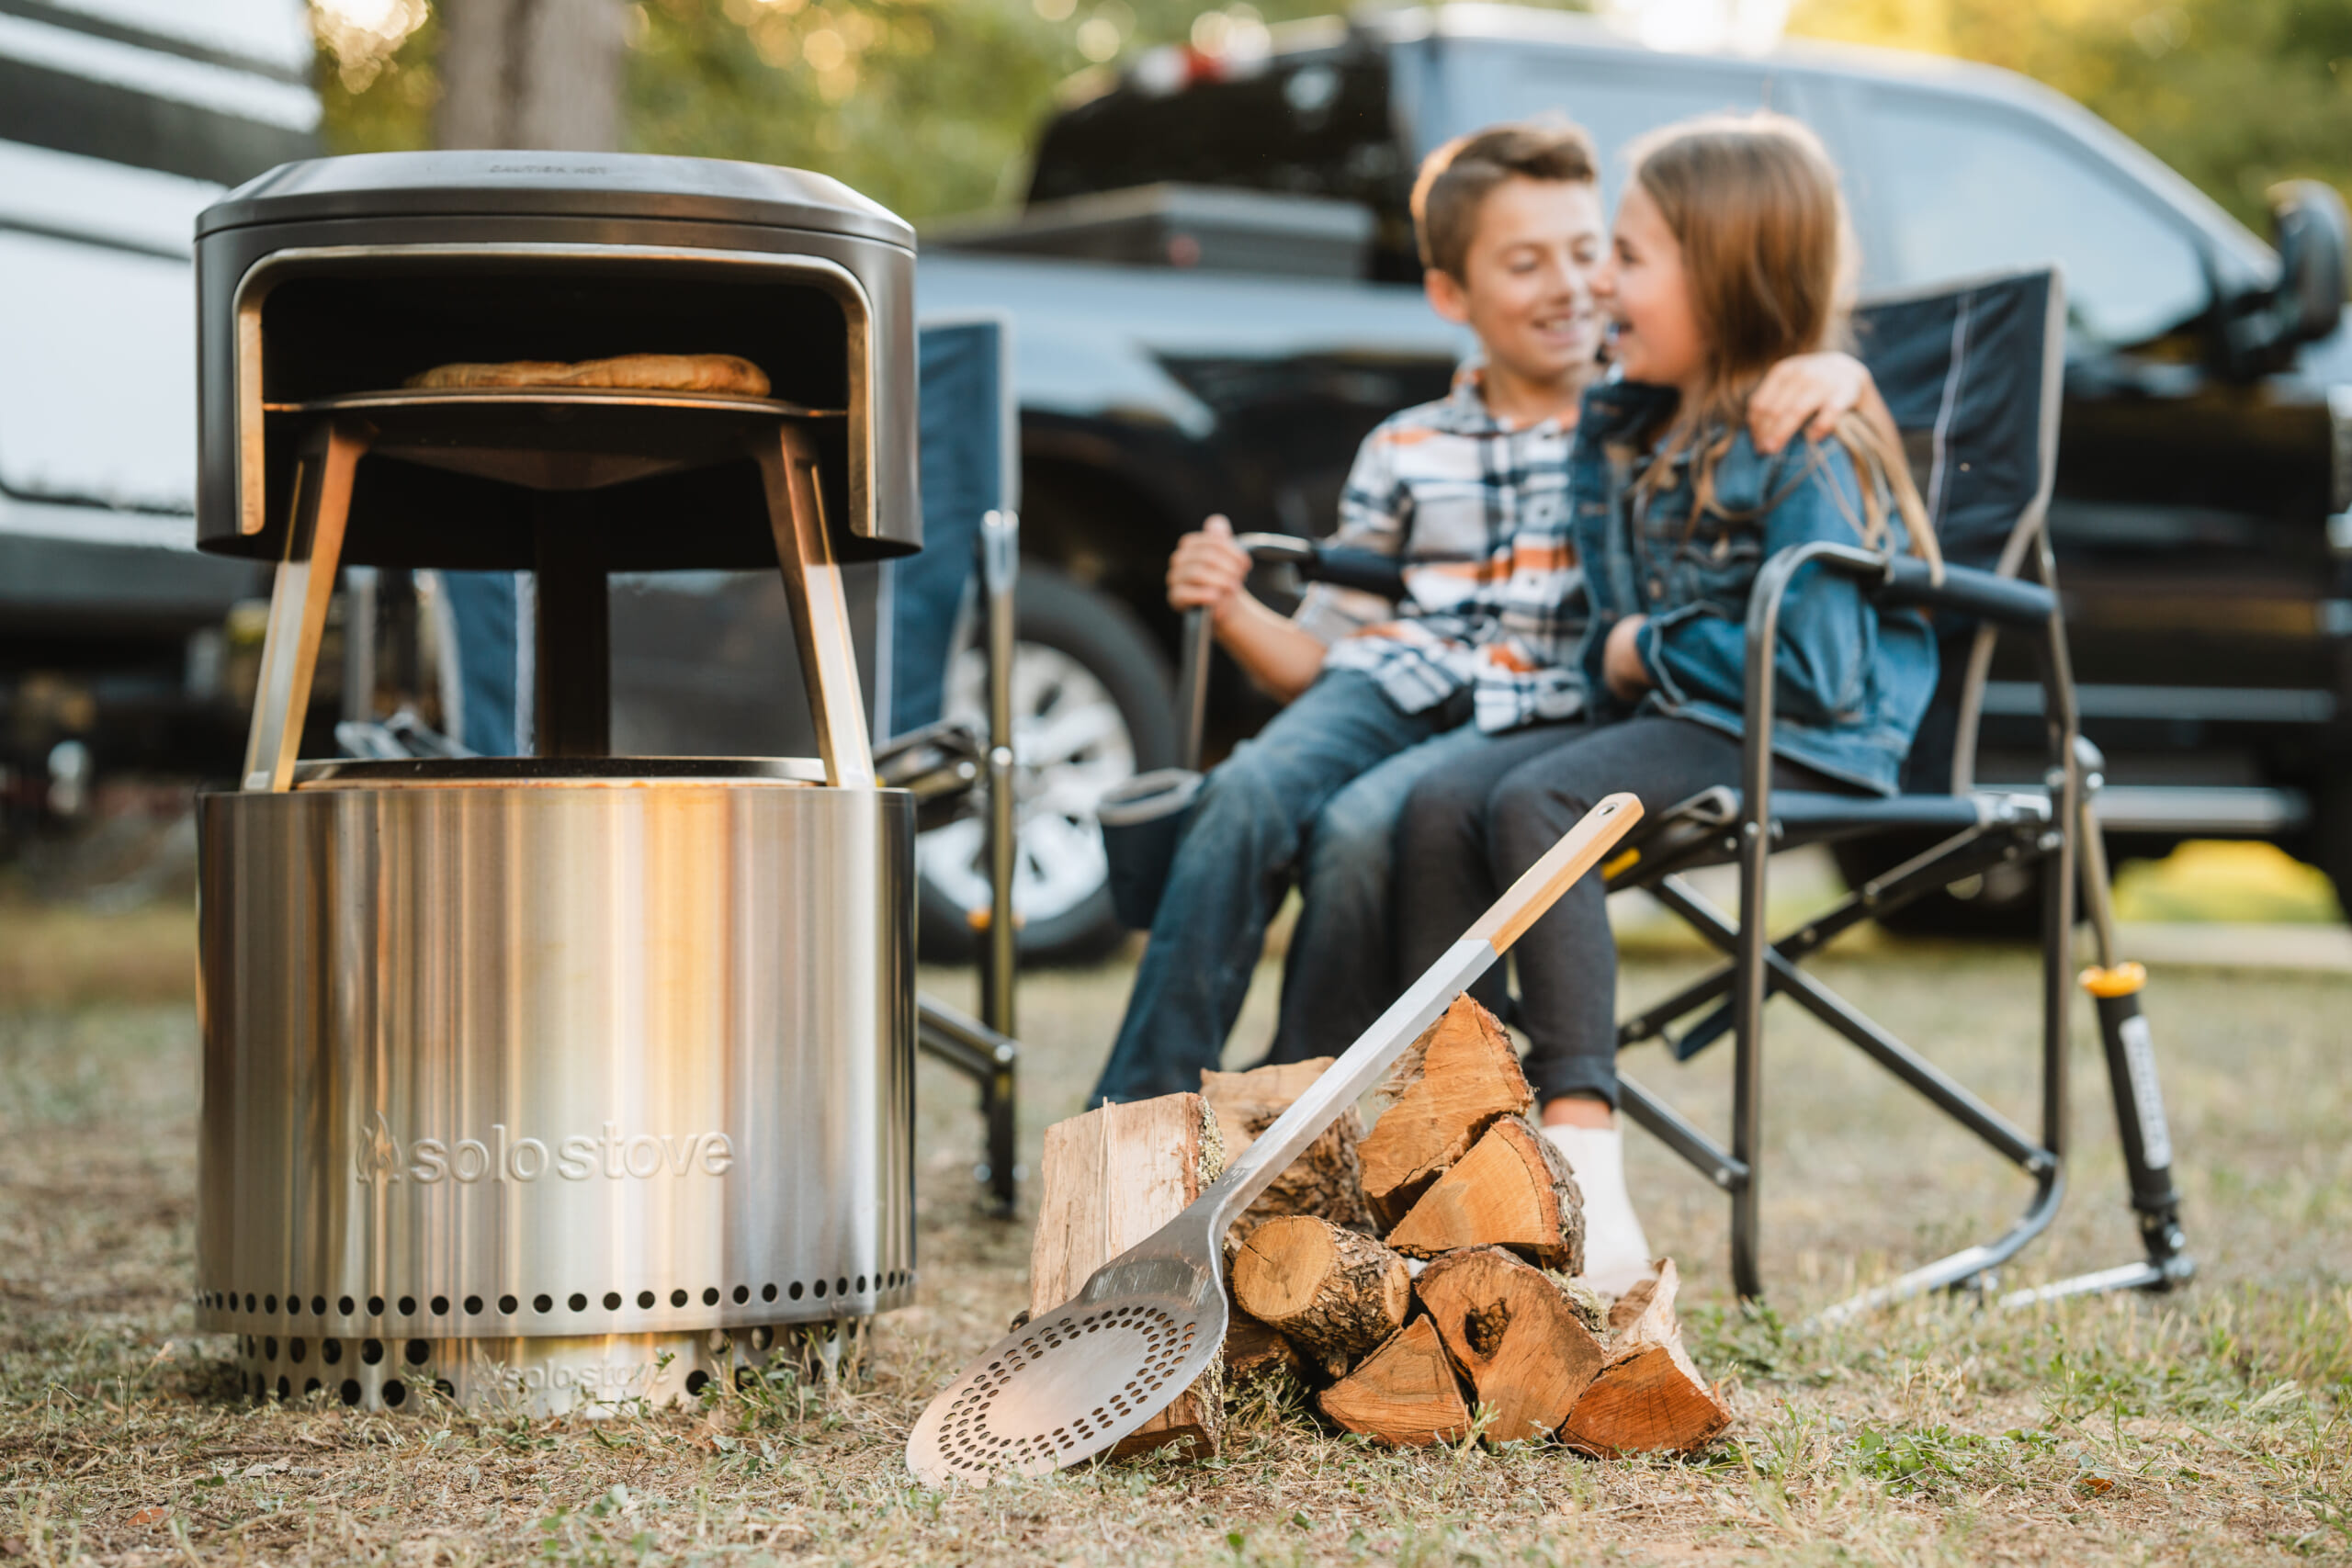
[556, 1082]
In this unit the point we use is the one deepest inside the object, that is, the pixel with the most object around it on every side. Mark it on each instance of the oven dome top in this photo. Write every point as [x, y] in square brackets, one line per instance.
[571, 184]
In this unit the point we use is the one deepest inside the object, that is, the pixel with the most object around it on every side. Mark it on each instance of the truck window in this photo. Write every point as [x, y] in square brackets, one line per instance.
[1616, 103]
[1309, 127]
[1618, 98]
[1962, 188]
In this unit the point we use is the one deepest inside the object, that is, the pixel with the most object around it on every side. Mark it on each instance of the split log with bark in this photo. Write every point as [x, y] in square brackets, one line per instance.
[1337, 1294]
[1517, 1333]
[1326, 1180]
[1254, 1350]
[1110, 1178]
[1648, 1397]
[1514, 1189]
[1407, 1393]
[1455, 1081]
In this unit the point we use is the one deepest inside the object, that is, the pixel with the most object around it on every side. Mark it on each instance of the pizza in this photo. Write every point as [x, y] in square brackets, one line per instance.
[638, 372]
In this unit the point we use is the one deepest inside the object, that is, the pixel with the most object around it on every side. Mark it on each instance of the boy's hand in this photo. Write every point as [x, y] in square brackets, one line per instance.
[1207, 571]
[1620, 659]
[1805, 391]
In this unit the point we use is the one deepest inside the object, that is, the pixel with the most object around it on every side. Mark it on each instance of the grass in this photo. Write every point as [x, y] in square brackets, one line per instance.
[2211, 1427]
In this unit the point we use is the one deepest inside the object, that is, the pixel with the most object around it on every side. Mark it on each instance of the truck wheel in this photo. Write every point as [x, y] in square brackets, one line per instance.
[2003, 905]
[1092, 703]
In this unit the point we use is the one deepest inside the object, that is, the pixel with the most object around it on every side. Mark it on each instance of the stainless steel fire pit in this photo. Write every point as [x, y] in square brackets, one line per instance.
[561, 1081]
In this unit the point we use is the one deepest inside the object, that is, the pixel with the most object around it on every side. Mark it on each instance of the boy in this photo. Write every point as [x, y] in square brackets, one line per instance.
[1468, 492]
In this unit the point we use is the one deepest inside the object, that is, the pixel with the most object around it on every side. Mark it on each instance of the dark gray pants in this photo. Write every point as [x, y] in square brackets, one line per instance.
[1473, 825]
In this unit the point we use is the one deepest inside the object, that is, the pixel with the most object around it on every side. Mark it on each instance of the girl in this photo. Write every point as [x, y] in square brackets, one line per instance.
[1727, 255]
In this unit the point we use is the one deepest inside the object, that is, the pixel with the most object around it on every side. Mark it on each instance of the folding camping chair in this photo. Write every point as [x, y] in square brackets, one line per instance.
[1972, 375]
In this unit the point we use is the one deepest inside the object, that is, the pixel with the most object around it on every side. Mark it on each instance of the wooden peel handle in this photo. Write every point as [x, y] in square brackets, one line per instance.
[1580, 850]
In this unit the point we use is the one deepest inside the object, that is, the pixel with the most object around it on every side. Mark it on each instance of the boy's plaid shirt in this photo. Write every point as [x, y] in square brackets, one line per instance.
[1495, 597]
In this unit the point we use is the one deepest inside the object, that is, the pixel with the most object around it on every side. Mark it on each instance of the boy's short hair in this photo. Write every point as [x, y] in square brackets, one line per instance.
[1456, 180]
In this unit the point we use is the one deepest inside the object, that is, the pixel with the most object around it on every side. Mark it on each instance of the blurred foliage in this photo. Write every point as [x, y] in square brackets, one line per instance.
[926, 107]
[929, 105]
[376, 86]
[2210, 880]
[2234, 94]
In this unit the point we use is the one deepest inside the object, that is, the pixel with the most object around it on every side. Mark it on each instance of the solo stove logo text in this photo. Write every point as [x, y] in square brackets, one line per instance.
[609, 1155]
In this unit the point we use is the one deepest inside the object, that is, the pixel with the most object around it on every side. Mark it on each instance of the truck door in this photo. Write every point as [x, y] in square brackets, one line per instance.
[2187, 512]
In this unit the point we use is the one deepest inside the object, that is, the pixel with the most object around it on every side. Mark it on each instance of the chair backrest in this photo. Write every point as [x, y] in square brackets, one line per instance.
[1972, 371]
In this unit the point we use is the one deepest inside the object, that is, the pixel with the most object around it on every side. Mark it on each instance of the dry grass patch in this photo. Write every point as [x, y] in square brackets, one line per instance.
[2205, 1428]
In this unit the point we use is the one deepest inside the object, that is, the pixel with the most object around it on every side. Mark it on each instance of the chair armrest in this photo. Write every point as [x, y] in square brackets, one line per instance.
[1339, 565]
[939, 764]
[1968, 590]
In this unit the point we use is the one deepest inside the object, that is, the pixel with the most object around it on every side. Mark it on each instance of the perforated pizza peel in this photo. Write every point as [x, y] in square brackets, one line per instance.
[1076, 1379]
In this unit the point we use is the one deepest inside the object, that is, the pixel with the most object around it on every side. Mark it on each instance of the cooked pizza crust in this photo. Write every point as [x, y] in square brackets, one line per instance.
[642, 372]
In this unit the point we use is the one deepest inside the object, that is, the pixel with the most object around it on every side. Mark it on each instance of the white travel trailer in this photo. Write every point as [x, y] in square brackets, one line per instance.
[119, 121]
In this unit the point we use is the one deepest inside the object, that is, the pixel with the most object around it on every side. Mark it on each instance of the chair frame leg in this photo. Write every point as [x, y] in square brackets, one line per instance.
[991, 1061]
[1000, 550]
[1760, 965]
[986, 1050]
[2138, 1095]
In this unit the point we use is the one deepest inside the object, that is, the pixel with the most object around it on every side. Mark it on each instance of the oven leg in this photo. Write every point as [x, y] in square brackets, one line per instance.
[298, 604]
[572, 658]
[812, 591]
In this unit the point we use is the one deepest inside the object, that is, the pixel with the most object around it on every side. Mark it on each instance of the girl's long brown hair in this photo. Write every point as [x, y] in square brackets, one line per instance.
[1752, 200]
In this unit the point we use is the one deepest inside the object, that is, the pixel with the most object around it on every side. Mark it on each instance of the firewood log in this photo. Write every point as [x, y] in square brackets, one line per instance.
[1255, 1351]
[1511, 1189]
[1517, 1333]
[1648, 1396]
[1407, 1393]
[1110, 1178]
[1645, 1313]
[1450, 1085]
[1337, 1293]
[1325, 1180]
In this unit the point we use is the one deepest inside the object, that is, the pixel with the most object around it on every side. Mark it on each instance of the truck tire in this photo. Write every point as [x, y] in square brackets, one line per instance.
[2004, 905]
[1093, 703]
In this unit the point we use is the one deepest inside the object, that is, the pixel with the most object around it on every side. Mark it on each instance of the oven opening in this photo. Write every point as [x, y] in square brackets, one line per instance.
[324, 335]
[333, 331]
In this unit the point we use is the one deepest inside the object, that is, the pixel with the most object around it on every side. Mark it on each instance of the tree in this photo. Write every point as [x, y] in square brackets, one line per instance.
[2236, 94]
[540, 74]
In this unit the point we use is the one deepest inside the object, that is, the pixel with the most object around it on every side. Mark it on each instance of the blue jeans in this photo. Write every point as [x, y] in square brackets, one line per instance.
[1471, 830]
[1342, 973]
[1239, 853]
[483, 607]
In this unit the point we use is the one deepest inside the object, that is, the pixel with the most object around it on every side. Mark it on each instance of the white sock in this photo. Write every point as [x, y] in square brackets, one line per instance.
[1616, 1253]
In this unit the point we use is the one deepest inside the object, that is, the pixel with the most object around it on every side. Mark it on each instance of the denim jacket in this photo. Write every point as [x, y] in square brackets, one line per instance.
[1851, 682]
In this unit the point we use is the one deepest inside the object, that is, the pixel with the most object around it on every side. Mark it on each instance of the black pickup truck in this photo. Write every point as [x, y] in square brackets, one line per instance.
[2206, 455]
